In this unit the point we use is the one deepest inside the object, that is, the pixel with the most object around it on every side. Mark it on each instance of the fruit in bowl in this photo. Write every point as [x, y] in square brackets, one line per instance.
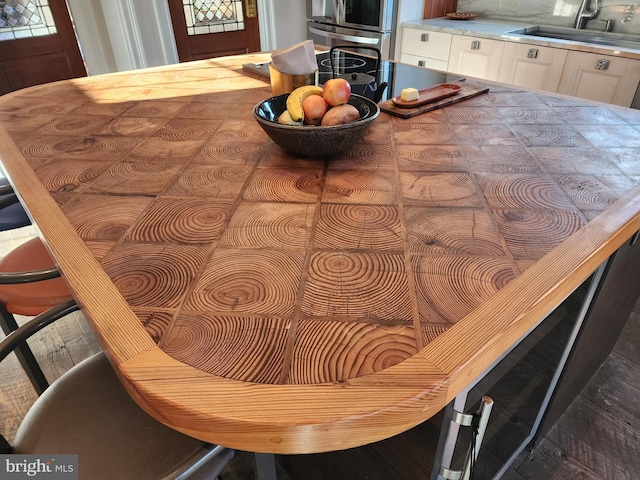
[340, 115]
[309, 103]
[309, 132]
[314, 108]
[336, 91]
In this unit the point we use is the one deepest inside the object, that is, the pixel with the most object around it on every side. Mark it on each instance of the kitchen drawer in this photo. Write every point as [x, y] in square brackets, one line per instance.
[603, 78]
[532, 66]
[423, 62]
[476, 57]
[426, 44]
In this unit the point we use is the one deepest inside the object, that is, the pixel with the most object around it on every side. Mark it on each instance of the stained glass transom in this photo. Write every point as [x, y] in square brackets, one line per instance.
[213, 16]
[25, 18]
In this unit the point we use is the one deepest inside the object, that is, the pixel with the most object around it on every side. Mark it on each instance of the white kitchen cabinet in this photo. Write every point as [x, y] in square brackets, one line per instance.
[425, 48]
[475, 57]
[532, 66]
[598, 77]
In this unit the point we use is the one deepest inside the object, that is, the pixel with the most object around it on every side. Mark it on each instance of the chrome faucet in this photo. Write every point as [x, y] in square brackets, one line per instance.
[584, 15]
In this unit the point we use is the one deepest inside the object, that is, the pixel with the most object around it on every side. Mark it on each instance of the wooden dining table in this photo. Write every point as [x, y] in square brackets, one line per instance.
[282, 304]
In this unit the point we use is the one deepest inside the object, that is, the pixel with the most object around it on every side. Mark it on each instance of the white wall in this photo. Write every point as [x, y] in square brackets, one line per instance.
[93, 36]
[119, 35]
[282, 23]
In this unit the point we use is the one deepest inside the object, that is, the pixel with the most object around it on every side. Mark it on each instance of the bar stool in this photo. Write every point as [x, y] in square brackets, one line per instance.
[29, 287]
[12, 215]
[88, 413]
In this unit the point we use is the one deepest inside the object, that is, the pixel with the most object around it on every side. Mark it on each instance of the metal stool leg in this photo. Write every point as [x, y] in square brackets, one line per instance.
[266, 466]
[24, 353]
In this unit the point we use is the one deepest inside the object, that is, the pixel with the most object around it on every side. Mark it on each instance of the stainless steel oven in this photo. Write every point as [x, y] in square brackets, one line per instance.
[353, 22]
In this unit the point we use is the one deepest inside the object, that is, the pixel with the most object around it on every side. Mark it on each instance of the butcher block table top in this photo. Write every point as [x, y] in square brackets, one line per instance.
[282, 304]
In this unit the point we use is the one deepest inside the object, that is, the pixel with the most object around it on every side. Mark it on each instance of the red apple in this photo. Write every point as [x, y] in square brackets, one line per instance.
[314, 108]
[336, 91]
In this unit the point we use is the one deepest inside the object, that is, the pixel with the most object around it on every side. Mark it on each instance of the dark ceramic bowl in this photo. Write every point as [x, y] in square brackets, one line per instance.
[309, 140]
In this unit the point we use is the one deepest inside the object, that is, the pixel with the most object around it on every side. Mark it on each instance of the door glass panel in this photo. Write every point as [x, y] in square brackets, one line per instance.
[213, 16]
[25, 18]
[518, 386]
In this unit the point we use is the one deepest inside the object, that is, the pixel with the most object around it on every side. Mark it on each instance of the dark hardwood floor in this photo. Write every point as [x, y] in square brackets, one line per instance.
[597, 438]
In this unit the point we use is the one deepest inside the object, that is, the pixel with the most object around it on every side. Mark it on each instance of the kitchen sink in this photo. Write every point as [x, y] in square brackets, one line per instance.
[586, 36]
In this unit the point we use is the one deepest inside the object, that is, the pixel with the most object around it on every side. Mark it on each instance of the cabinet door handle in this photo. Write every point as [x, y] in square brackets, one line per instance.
[250, 6]
[421, 63]
[475, 45]
[602, 64]
[532, 53]
[424, 37]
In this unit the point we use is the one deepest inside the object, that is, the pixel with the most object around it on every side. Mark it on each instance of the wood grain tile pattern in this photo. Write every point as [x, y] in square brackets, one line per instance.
[448, 287]
[534, 191]
[171, 135]
[611, 135]
[229, 152]
[284, 185]
[548, 227]
[459, 231]
[252, 264]
[236, 280]
[182, 221]
[69, 176]
[153, 275]
[439, 189]
[359, 227]
[250, 349]
[500, 159]
[430, 158]
[474, 134]
[525, 115]
[104, 217]
[209, 181]
[544, 135]
[355, 349]
[155, 322]
[40, 148]
[365, 287]
[583, 160]
[366, 156]
[101, 147]
[268, 224]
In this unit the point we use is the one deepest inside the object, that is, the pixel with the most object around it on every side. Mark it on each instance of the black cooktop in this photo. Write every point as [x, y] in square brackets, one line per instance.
[376, 79]
[364, 73]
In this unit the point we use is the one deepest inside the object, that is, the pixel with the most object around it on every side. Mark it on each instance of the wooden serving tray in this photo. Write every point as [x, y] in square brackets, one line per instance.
[461, 16]
[467, 90]
[428, 95]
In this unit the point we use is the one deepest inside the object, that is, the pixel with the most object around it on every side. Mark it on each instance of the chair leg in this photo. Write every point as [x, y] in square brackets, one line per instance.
[266, 466]
[24, 353]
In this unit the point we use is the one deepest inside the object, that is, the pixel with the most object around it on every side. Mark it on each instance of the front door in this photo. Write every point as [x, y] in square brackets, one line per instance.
[214, 28]
[37, 44]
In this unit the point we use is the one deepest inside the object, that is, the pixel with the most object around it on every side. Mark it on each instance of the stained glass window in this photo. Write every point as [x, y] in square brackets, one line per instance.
[213, 16]
[25, 18]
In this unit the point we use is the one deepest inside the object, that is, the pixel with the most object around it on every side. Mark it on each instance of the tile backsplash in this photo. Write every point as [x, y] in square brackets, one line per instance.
[625, 14]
